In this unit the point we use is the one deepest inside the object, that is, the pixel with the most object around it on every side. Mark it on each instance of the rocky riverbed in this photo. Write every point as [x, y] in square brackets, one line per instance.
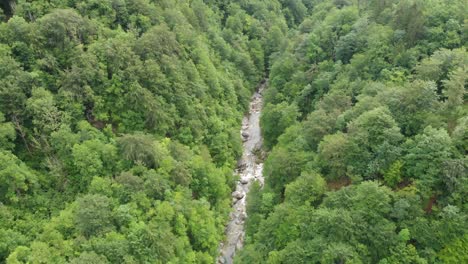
[249, 169]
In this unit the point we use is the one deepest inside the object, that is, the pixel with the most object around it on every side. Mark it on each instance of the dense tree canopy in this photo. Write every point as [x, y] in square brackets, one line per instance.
[119, 126]
[372, 168]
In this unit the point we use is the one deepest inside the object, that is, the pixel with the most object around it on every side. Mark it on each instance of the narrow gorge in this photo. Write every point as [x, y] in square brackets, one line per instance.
[249, 169]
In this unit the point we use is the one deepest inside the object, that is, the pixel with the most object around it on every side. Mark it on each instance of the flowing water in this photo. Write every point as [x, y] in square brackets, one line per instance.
[249, 169]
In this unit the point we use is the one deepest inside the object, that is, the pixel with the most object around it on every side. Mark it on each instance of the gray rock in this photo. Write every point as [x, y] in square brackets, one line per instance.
[239, 245]
[244, 181]
[221, 260]
[242, 216]
[241, 165]
[238, 195]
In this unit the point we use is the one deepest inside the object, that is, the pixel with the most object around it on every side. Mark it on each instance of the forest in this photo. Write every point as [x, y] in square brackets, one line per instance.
[120, 119]
[367, 125]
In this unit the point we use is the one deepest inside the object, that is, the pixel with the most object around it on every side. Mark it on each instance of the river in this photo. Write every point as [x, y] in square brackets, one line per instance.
[249, 169]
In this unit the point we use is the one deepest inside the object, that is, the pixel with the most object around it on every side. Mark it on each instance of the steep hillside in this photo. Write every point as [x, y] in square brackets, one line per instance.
[119, 125]
[120, 119]
[366, 119]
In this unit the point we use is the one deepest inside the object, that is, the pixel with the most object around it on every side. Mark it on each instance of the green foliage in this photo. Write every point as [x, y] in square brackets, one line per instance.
[46, 118]
[425, 157]
[283, 167]
[404, 254]
[15, 177]
[455, 252]
[7, 133]
[332, 155]
[139, 149]
[375, 137]
[380, 91]
[63, 28]
[152, 242]
[393, 175]
[90, 258]
[93, 215]
[119, 130]
[307, 188]
[11, 239]
[274, 121]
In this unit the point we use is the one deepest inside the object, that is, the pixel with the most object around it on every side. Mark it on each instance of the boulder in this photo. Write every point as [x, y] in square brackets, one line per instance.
[238, 195]
[241, 165]
[242, 216]
[221, 260]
